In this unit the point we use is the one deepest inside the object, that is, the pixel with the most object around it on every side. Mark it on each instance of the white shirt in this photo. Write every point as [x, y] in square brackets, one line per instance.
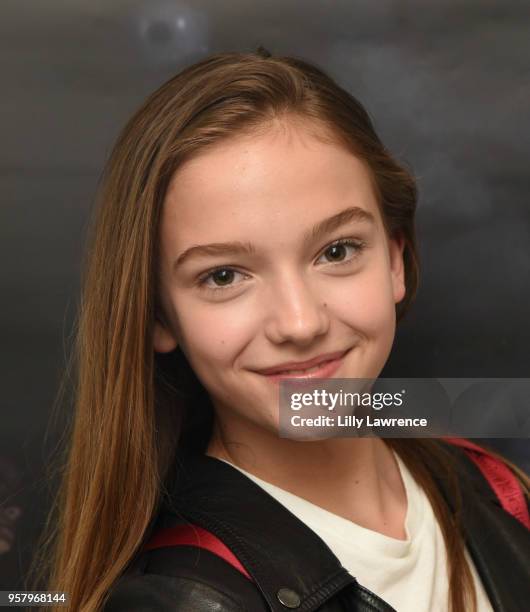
[408, 574]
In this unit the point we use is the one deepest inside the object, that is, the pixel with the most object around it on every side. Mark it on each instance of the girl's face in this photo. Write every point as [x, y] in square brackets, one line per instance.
[252, 274]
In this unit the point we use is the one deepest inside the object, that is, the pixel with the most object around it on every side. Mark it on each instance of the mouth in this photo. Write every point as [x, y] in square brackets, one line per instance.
[323, 369]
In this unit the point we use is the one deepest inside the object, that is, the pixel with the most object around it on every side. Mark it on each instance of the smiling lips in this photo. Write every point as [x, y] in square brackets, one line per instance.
[321, 366]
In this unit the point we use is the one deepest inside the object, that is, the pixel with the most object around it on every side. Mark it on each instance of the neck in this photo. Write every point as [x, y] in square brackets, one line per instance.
[356, 478]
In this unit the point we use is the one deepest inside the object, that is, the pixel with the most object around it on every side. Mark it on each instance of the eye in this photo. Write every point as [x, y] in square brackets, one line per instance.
[338, 251]
[220, 278]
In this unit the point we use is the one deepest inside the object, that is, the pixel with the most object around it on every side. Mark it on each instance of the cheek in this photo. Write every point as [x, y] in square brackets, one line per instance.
[213, 336]
[212, 333]
[365, 302]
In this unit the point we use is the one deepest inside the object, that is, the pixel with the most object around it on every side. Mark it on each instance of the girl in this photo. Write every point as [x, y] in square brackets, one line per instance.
[251, 223]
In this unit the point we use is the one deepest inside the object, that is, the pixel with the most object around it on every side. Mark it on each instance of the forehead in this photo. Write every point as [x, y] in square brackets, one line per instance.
[277, 176]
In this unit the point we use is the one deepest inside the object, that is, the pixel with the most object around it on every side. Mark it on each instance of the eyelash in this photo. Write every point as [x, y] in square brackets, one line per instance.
[358, 245]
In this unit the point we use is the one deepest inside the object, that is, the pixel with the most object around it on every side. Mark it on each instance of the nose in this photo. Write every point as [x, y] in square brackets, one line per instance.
[295, 313]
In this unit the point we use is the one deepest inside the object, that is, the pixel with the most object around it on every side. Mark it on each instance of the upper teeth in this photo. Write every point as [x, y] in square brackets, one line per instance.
[313, 369]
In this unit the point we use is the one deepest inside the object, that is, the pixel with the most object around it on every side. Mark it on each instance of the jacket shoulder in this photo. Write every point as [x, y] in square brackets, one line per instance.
[183, 578]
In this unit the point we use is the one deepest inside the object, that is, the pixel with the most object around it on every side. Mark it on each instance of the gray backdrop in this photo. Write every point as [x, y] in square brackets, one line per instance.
[448, 87]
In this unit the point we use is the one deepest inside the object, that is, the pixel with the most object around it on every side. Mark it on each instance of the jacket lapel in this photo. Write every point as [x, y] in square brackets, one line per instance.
[277, 549]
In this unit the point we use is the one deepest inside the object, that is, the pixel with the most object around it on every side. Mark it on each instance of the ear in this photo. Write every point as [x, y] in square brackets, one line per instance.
[397, 266]
[163, 338]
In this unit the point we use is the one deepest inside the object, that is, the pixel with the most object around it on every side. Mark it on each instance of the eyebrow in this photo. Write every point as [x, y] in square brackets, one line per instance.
[348, 215]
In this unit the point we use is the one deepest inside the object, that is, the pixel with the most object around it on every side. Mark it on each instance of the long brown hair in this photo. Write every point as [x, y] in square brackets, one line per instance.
[130, 403]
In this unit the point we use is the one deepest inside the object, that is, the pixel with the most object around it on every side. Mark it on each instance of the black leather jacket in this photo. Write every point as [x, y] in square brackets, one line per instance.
[292, 568]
